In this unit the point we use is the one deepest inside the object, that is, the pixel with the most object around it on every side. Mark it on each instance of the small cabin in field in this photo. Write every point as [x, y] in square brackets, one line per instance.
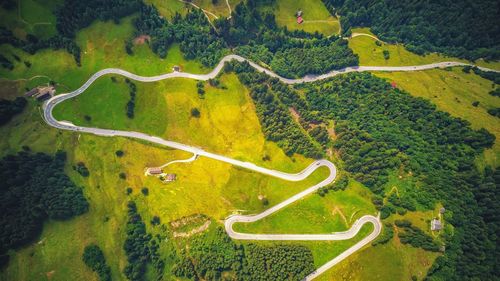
[154, 171]
[170, 177]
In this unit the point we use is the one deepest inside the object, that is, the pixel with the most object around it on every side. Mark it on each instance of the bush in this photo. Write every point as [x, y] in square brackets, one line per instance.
[145, 191]
[195, 112]
[93, 257]
[119, 153]
[82, 169]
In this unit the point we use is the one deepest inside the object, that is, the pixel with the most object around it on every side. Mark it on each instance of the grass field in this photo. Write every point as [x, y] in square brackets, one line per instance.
[372, 55]
[454, 92]
[316, 16]
[228, 123]
[337, 211]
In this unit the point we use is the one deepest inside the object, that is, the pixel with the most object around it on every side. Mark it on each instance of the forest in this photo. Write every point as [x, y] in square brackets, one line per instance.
[464, 28]
[34, 189]
[213, 253]
[10, 108]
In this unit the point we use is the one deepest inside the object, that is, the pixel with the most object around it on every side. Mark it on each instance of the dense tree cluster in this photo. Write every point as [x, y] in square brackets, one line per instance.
[414, 236]
[281, 262]
[93, 257]
[140, 247]
[386, 235]
[317, 57]
[193, 32]
[463, 28]
[213, 253]
[277, 123]
[10, 108]
[210, 254]
[340, 183]
[33, 189]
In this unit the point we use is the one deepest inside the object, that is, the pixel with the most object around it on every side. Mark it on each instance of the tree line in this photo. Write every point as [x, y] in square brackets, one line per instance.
[140, 247]
[34, 189]
[277, 123]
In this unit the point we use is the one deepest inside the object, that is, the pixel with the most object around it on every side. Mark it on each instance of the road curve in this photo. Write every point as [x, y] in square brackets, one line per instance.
[64, 125]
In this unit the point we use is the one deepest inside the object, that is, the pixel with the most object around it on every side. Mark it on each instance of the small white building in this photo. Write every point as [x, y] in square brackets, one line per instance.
[436, 225]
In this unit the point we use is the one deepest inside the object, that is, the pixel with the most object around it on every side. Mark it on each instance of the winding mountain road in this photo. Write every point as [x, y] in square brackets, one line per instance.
[50, 104]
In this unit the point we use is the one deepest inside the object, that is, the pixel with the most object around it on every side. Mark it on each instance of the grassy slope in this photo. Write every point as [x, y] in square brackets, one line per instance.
[102, 46]
[316, 214]
[219, 187]
[454, 92]
[371, 54]
[316, 16]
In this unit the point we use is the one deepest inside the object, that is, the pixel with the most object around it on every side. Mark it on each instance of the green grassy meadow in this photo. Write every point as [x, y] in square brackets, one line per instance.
[316, 16]
[337, 211]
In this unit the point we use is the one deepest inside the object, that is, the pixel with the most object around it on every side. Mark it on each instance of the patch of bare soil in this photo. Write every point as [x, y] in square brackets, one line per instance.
[141, 39]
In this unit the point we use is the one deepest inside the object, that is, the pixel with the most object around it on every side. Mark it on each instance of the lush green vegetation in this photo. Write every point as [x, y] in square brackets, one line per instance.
[380, 129]
[257, 33]
[140, 247]
[278, 125]
[464, 28]
[414, 236]
[34, 189]
[316, 17]
[93, 257]
[281, 262]
[454, 92]
[10, 108]
[213, 255]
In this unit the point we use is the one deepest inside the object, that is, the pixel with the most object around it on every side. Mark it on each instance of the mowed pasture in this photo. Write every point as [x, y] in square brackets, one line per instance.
[316, 16]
